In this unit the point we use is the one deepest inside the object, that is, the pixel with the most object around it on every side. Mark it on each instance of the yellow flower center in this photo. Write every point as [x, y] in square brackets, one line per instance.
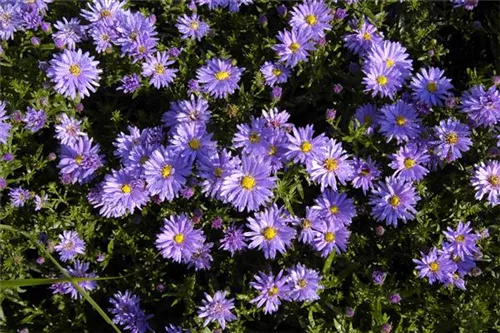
[166, 171]
[306, 146]
[331, 164]
[306, 224]
[367, 36]
[329, 237]
[269, 233]
[272, 150]
[222, 75]
[394, 201]
[78, 159]
[159, 69]
[218, 172]
[294, 47]
[276, 72]
[334, 209]
[273, 291]
[434, 266]
[409, 163]
[431, 86]
[106, 13]
[179, 238]
[382, 80]
[389, 63]
[248, 182]
[494, 180]
[460, 238]
[194, 144]
[254, 137]
[194, 25]
[365, 171]
[75, 69]
[302, 283]
[311, 19]
[126, 188]
[451, 138]
[401, 121]
[141, 49]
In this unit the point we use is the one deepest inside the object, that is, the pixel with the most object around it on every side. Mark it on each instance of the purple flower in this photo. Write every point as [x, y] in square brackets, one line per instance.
[274, 73]
[3, 183]
[194, 110]
[103, 36]
[70, 245]
[392, 55]
[7, 157]
[392, 200]
[378, 277]
[277, 119]
[127, 312]
[80, 160]
[461, 242]
[18, 196]
[330, 236]
[217, 308]
[364, 173]
[271, 290]
[303, 283]
[382, 80]
[68, 33]
[430, 86]
[293, 47]
[233, 240]
[130, 83]
[303, 147]
[136, 35]
[213, 168]
[201, 258]
[436, 266]
[399, 121]
[408, 163]
[4, 126]
[307, 233]
[313, 17]
[103, 10]
[349, 312]
[68, 130]
[276, 93]
[173, 329]
[178, 240]
[386, 328]
[481, 106]
[269, 232]
[253, 138]
[156, 67]
[452, 139]
[467, 4]
[10, 20]
[250, 185]
[362, 38]
[219, 77]
[192, 27]
[367, 115]
[486, 181]
[191, 140]
[394, 298]
[79, 270]
[74, 73]
[34, 119]
[335, 207]
[40, 201]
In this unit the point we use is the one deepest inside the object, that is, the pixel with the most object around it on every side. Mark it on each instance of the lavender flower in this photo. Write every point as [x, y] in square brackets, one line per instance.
[303, 147]
[271, 290]
[408, 163]
[382, 80]
[303, 283]
[213, 169]
[294, 46]
[19, 196]
[233, 240]
[308, 223]
[79, 270]
[69, 33]
[336, 207]
[312, 17]
[253, 138]
[80, 160]
[274, 73]
[191, 140]
[392, 55]
[192, 27]
[399, 121]
[157, 68]
[127, 312]
[430, 86]
[4, 126]
[70, 245]
[330, 236]
[364, 173]
[219, 77]
[217, 308]
[452, 139]
[486, 182]
[482, 106]
[194, 110]
[362, 38]
[461, 242]
[367, 115]
[34, 119]
[130, 83]
[68, 130]
[436, 266]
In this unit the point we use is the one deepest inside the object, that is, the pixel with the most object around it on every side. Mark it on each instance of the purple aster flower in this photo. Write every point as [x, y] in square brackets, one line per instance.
[465, 265]
[217, 308]
[330, 114]
[130, 83]
[482, 106]
[194, 110]
[303, 283]
[68, 130]
[10, 19]
[452, 139]
[253, 138]
[7, 157]
[378, 277]
[276, 93]
[178, 240]
[219, 77]
[174, 52]
[165, 173]
[127, 312]
[157, 68]
[269, 232]
[382, 80]
[293, 47]
[303, 147]
[392, 55]
[70, 245]
[430, 86]
[18, 196]
[191, 140]
[271, 290]
[250, 185]
[103, 36]
[35, 41]
[201, 258]
[336, 207]
[392, 200]
[362, 38]
[277, 149]
[103, 10]
[69, 33]
[367, 115]
[79, 270]
[399, 121]
[467, 4]
[436, 266]
[80, 160]
[313, 217]
[274, 73]
[349, 312]
[213, 168]
[461, 242]
[34, 119]
[233, 240]
[330, 166]
[408, 163]
[136, 34]
[4, 126]
[486, 181]
[173, 329]
[74, 73]
[386, 328]
[330, 236]
[364, 173]
[40, 201]
[394, 298]
[3, 183]
[192, 27]
[313, 17]
[277, 119]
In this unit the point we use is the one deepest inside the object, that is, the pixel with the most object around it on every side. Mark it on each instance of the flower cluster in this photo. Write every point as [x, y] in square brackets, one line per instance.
[127, 312]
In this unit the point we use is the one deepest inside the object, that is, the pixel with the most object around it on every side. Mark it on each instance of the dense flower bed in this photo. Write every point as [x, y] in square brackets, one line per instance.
[250, 166]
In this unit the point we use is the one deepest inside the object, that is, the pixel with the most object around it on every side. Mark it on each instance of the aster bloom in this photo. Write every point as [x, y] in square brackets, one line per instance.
[394, 200]
[269, 232]
[303, 147]
[430, 86]
[165, 173]
[399, 121]
[70, 245]
[481, 106]
[40, 202]
[462, 241]
[253, 138]
[4, 126]
[130, 83]
[313, 17]
[34, 119]
[192, 27]
[213, 168]
[69, 33]
[249, 185]
[486, 181]
[194, 110]
[201, 258]
[436, 266]
[303, 283]
[364, 173]
[103, 10]
[219, 77]
[271, 290]
[408, 163]
[336, 207]
[74, 73]
[367, 115]
[307, 224]
[467, 4]
[381, 80]
[330, 236]
[277, 150]
[394, 298]
[293, 46]
[80, 160]
[233, 240]
[178, 240]
[378, 277]
[19, 196]
[392, 55]
[103, 36]
[452, 139]
[68, 130]
[191, 140]
[330, 166]
[274, 73]
[362, 38]
[10, 19]
[277, 119]
[136, 34]
[126, 311]
[79, 270]
[217, 308]
[156, 67]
